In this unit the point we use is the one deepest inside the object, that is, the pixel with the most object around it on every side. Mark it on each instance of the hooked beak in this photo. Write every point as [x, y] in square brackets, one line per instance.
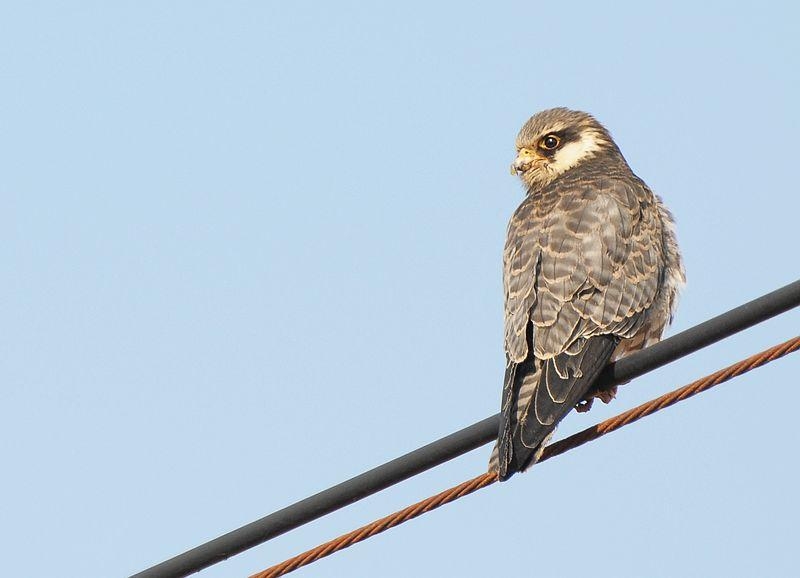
[525, 158]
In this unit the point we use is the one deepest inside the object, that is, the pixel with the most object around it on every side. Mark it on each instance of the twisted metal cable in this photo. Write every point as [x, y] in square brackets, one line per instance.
[555, 449]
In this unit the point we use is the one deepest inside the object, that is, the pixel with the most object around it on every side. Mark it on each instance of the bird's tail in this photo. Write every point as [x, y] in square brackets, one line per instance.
[537, 394]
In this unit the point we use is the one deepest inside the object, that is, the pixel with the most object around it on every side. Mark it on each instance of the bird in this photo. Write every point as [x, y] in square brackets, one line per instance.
[591, 272]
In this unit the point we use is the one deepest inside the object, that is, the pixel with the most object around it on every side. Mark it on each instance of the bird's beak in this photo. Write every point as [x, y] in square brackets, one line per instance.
[523, 162]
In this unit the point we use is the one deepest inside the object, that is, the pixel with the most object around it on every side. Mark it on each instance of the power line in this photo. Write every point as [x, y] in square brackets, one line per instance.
[463, 441]
[556, 449]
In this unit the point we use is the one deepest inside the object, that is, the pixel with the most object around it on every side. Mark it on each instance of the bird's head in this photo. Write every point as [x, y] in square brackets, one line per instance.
[556, 140]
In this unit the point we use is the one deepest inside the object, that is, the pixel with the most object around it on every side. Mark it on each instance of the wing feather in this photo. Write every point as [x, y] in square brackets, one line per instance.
[581, 269]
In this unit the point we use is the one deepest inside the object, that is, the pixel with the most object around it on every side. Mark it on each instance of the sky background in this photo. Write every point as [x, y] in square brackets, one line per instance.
[251, 249]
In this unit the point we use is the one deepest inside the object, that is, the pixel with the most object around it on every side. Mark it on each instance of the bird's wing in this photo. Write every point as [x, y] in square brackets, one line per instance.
[581, 269]
[536, 397]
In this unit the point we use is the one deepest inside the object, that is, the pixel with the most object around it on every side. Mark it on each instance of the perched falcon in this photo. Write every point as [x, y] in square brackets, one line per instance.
[591, 271]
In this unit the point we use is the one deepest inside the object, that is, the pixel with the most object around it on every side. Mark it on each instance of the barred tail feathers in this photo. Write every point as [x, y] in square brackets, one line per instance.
[537, 395]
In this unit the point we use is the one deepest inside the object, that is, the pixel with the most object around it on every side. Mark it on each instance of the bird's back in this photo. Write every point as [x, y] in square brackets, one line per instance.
[584, 265]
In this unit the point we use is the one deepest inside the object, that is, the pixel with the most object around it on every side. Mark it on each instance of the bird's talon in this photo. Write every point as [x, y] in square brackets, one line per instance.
[606, 395]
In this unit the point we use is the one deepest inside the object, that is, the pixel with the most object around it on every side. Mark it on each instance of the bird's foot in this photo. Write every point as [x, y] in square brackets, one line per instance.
[604, 395]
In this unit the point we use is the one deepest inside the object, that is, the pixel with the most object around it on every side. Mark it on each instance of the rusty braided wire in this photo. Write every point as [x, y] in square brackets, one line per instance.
[555, 449]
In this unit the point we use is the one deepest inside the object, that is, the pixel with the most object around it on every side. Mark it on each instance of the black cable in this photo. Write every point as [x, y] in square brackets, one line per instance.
[463, 441]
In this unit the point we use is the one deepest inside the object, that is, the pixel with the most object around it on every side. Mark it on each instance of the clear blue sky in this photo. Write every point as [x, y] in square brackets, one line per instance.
[250, 249]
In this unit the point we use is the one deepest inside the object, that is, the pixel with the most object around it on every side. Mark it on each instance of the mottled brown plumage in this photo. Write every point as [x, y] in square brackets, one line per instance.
[591, 270]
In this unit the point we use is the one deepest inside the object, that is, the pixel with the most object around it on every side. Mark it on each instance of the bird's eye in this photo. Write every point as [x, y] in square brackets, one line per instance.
[550, 142]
